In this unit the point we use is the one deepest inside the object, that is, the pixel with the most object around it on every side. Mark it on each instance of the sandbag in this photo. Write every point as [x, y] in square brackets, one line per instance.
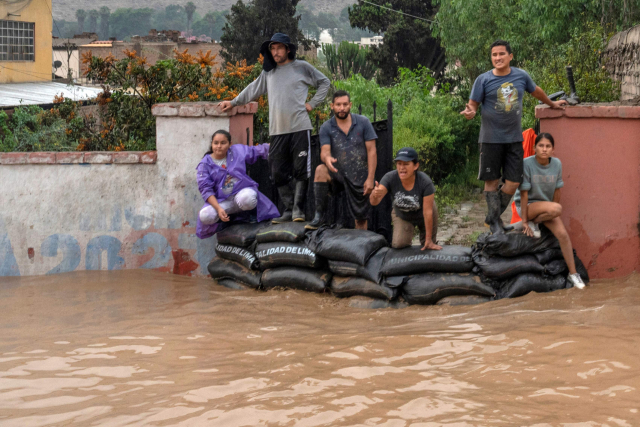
[371, 271]
[237, 254]
[394, 281]
[232, 284]
[277, 254]
[429, 288]
[224, 269]
[549, 255]
[292, 232]
[355, 246]
[463, 300]
[555, 267]
[525, 283]
[501, 268]
[241, 235]
[413, 260]
[516, 243]
[303, 279]
[344, 287]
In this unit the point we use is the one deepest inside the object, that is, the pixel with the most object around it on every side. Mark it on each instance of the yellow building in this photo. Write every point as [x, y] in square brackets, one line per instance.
[25, 41]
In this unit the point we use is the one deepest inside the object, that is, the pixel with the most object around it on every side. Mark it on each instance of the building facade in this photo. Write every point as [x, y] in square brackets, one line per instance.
[25, 41]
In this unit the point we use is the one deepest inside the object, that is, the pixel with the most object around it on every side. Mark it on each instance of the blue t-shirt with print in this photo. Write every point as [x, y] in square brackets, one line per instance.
[501, 100]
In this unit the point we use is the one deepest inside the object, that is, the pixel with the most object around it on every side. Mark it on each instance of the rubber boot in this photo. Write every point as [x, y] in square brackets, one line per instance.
[298, 201]
[321, 191]
[493, 217]
[286, 195]
[505, 201]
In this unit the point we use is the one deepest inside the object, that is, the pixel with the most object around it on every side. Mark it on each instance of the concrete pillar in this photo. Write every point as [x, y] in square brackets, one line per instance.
[599, 146]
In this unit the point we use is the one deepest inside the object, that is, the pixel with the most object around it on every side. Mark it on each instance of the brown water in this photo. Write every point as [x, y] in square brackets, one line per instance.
[139, 348]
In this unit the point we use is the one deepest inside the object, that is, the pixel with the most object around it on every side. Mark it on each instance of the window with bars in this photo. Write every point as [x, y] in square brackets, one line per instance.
[16, 41]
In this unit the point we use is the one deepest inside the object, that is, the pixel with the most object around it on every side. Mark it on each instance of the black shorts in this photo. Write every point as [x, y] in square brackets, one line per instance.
[501, 161]
[357, 203]
[289, 157]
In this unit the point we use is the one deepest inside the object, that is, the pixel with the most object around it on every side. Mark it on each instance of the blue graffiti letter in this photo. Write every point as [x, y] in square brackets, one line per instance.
[70, 251]
[93, 258]
[160, 246]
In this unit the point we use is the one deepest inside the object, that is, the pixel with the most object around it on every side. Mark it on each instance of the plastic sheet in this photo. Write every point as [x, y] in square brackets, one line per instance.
[291, 232]
[241, 235]
[501, 268]
[224, 269]
[515, 243]
[525, 283]
[303, 279]
[278, 254]
[354, 246]
[237, 254]
[413, 260]
[430, 288]
[344, 287]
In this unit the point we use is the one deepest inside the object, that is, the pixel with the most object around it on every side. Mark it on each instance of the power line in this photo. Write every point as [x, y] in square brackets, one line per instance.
[398, 11]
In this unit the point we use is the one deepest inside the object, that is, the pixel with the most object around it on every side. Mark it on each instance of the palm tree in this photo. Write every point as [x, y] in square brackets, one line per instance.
[210, 18]
[104, 22]
[93, 21]
[189, 8]
[81, 14]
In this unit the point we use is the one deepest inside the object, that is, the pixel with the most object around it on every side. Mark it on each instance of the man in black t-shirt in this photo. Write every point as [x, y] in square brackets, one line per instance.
[413, 195]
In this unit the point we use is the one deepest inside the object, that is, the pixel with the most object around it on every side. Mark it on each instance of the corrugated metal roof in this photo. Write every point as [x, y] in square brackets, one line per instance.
[15, 94]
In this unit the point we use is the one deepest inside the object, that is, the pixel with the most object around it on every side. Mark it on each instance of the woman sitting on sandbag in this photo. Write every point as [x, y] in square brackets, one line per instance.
[538, 200]
[229, 193]
[414, 204]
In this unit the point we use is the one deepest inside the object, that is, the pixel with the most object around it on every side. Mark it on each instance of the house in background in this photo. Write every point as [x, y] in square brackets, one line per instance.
[25, 41]
[66, 51]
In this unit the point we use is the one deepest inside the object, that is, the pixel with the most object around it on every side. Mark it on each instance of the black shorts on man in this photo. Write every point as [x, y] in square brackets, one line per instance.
[289, 156]
[501, 161]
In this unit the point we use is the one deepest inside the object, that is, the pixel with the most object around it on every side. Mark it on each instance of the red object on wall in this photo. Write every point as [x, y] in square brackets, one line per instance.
[528, 145]
[601, 196]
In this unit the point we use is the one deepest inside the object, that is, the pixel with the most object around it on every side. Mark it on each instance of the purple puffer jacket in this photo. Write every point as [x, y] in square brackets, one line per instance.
[211, 178]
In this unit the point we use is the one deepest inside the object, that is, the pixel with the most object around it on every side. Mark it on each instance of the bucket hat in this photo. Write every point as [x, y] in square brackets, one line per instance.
[269, 63]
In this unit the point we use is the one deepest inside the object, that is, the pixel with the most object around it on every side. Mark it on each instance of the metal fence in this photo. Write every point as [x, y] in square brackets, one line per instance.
[379, 217]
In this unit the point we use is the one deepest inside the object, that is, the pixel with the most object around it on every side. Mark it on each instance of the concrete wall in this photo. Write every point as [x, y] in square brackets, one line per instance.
[40, 69]
[72, 62]
[622, 58]
[600, 153]
[57, 218]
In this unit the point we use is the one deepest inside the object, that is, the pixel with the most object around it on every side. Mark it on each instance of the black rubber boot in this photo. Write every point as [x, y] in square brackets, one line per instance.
[286, 195]
[505, 201]
[321, 192]
[298, 201]
[493, 217]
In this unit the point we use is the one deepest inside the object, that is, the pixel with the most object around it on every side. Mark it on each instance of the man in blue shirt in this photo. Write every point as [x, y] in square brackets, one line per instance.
[349, 158]
[500, 91]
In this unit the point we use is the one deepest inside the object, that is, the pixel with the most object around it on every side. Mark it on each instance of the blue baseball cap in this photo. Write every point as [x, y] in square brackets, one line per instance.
[406, 154]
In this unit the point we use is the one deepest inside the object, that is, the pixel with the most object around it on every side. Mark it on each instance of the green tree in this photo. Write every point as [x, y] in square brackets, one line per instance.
[249, 25]
[408, 42]
[347, 60]
[189, 9]
[210, 25]
[128, 22]
[81, 15]
[173, 17]
[104, 22]
[93, 20]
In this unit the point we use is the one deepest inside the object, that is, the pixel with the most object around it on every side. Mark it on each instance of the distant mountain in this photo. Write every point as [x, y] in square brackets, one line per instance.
[66, 9]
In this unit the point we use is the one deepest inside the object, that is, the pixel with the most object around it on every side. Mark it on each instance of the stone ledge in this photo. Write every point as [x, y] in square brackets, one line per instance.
[79, 157]
[589, 111]
[200, 109]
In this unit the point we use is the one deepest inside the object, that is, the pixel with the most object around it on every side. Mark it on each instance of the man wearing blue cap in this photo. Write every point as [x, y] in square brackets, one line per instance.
[286, 82]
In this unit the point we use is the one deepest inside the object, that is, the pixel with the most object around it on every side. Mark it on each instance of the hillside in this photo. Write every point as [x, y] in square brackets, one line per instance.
[65, 9]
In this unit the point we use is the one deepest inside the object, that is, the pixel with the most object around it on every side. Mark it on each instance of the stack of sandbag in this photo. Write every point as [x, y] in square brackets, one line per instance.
[514, 264]
[287, 261]
[355, 258]
[429, 276]
[236, 265]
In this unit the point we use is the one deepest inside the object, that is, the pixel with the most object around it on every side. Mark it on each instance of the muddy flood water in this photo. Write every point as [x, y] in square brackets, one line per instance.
[140, 348]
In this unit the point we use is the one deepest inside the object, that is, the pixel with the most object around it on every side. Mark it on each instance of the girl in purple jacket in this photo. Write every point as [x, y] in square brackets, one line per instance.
[225, 186]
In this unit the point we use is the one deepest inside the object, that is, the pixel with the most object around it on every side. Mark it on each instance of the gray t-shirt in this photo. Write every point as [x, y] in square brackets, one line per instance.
[501, 100]
[540, 181]
[408, 204]
[350, 150]
[287, 87]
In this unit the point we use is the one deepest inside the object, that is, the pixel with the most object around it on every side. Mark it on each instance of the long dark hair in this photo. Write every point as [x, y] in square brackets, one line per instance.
[218, 132]
[545, 135]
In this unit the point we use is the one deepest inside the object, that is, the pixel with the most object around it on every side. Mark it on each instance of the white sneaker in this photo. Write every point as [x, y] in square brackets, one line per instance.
[576, 281]
[536, 230]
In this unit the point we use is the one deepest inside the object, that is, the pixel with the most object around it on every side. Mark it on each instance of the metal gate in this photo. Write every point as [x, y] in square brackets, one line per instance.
[379, 217]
